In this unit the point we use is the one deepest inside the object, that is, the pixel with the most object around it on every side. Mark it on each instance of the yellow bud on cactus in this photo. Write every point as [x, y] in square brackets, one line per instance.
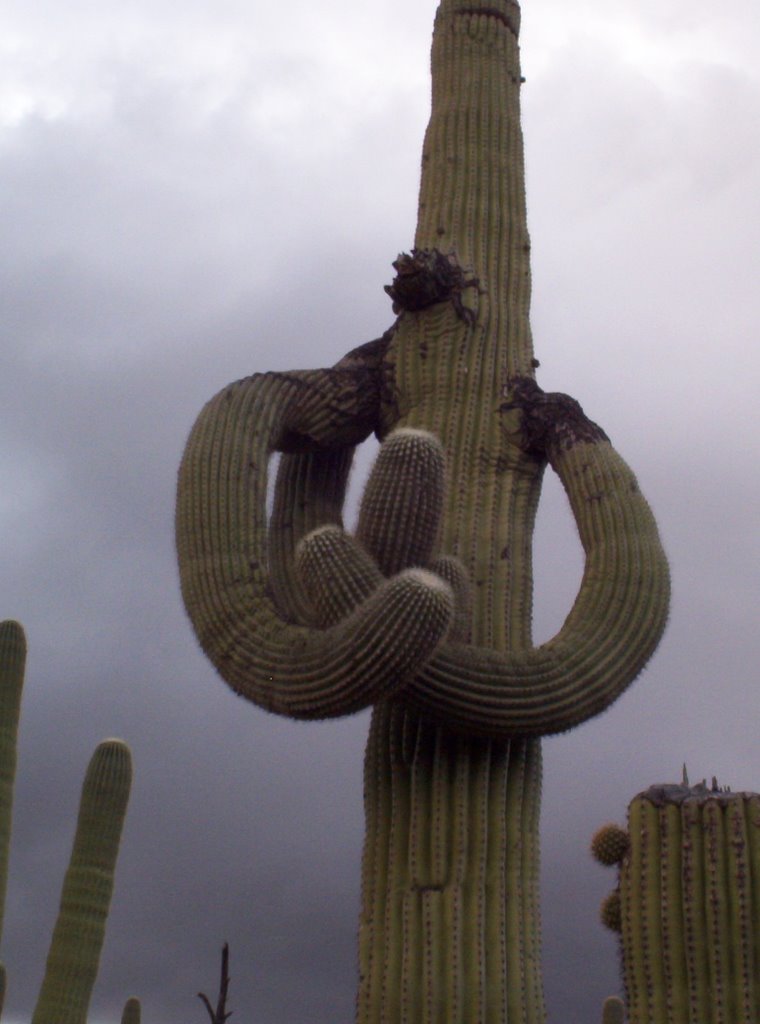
[610, 913]
[609, 844]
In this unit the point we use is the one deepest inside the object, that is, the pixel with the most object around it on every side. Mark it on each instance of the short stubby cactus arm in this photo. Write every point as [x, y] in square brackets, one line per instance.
[222, 542]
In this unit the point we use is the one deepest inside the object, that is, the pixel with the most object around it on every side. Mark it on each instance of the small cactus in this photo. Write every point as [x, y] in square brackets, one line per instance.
[72, 962]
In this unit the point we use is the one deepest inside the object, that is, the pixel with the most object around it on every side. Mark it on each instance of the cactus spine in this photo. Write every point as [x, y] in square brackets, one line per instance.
[77, 939]
[690, 907]
[321, 625]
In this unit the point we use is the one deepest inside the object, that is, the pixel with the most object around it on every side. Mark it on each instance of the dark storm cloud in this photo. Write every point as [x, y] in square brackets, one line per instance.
[186, 205]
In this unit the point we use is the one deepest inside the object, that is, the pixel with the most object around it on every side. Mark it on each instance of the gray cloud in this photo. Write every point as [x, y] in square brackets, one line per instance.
[187, 204]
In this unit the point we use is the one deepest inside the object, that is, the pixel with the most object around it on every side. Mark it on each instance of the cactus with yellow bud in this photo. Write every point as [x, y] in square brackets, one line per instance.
[689, 906]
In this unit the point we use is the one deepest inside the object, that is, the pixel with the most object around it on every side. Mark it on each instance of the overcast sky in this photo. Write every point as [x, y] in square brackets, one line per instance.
[190, 193]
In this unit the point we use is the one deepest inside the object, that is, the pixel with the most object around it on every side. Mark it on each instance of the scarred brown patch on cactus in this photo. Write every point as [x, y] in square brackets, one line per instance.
[552, 421]
[427, 276]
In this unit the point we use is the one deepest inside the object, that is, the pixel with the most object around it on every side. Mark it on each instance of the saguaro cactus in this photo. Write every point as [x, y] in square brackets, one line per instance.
[12, 663]
[449, 923]
[72, 963]
[689, 892]
[74, 955]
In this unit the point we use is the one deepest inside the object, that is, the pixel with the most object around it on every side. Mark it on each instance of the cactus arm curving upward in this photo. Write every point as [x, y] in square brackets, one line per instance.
[223, 555]
[611, 631]
[613, 627]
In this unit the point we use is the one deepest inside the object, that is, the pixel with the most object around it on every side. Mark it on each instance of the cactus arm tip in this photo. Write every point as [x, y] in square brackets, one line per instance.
[132, 1012]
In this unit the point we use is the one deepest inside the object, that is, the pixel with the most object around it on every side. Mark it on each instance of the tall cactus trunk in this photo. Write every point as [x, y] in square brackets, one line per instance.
[450, 928]
[450, 919]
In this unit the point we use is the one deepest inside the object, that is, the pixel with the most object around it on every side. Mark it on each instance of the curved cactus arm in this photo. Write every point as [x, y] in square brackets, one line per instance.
[72, 963]
[223, 551]
[12, 662]
[617, 618]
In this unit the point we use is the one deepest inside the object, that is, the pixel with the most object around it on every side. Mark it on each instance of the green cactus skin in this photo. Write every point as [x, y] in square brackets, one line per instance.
[690, 907]
[72, 962]
[450, 923]
[132, 1011]
[12, 663]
